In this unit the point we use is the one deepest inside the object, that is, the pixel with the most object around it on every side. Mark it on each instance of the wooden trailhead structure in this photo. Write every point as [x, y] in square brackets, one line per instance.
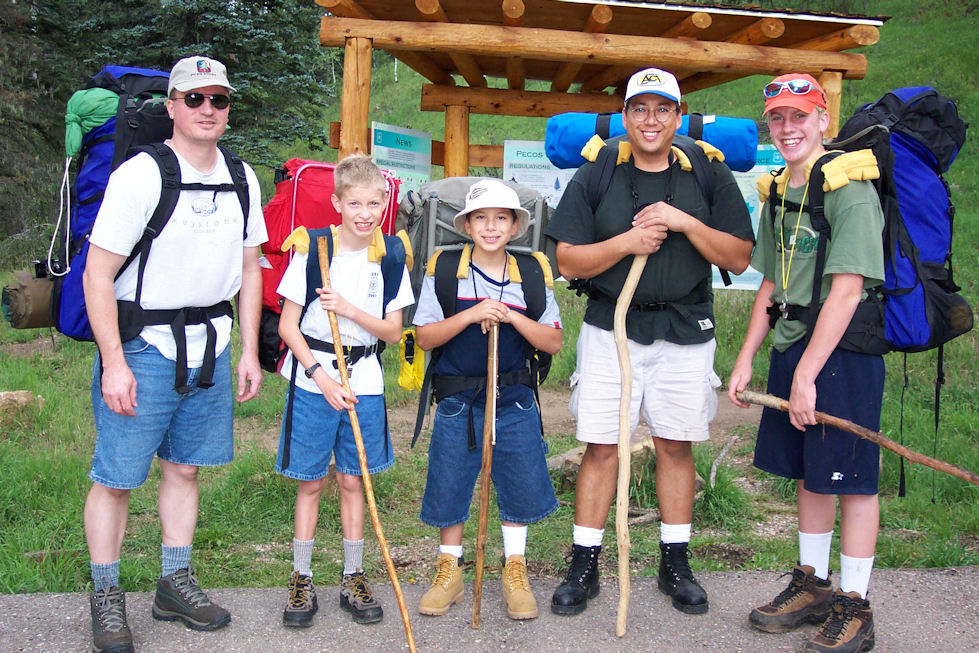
[584, 49]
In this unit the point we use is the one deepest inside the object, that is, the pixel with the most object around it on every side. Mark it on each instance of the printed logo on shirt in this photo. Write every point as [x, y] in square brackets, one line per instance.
[374, 287]
[203, 206]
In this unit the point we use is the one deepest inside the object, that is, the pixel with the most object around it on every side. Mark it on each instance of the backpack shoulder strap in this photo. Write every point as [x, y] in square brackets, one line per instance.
[392, 263]
[237, 169]
[703, 171]
[601, 174]
[446, 286]
[313, 278]
[532, 282]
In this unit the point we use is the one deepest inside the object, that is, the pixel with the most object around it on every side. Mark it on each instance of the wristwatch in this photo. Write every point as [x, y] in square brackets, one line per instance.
[309, 370]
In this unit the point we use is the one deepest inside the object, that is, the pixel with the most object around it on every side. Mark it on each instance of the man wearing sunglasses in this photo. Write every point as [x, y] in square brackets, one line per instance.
[654, 206]
[144, 407]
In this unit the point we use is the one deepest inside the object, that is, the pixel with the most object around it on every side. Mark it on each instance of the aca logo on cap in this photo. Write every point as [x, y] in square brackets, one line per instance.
[651, 79]
[203, 66]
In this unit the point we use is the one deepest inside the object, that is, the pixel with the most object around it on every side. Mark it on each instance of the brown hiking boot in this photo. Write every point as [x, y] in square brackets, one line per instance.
[110, 630]
[302, 602]
[447, 587]
[357, 598]
[807, 599]
[178, 596]
[849, 628]
[520, 603]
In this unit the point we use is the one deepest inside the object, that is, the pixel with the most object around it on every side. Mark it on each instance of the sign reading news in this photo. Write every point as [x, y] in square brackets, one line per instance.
[526, 163]
[405, 152]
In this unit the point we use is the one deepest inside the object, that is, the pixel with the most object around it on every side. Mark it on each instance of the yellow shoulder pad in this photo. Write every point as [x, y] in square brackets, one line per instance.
[430, 266]
[592, 147]
[513, 270]
[860, 165]
[712, 152]
[764, 184]
[376, 249]
[545, 265]
[625, 152]
[409, 254]
[298, 239]
[462, 272]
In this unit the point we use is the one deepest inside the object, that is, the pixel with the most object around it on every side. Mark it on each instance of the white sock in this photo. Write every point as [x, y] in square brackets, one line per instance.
[674, 533]
[855, 574]
[584, 536]
[814, 551]
[451, 549]
[514, 540]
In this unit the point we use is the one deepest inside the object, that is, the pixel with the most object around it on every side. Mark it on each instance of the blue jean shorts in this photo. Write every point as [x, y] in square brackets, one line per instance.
[828, 460]
[524, 493]
[319, 432]
[190, 429]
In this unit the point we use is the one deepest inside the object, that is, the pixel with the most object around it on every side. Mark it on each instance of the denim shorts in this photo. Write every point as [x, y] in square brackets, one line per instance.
[524, 493]
[190, 429]
[320, 432]
[828, 460]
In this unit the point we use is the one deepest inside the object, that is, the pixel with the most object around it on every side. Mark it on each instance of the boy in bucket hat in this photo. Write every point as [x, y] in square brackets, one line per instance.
[817, 370]
[488, 292]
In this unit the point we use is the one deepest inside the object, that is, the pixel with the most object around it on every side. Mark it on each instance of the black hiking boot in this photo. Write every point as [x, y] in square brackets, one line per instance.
[848, 629]
[110, 630]
[807, 599]
[178, 596]
[676, 579]
[357, 598]
[580, 583]
[302, 602]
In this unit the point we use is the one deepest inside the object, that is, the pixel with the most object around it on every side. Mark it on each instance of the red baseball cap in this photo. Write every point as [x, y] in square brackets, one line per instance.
[797, 90]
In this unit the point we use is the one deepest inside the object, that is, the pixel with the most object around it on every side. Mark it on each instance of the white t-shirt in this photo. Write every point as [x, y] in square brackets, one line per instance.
[358, 281]
[197, 258]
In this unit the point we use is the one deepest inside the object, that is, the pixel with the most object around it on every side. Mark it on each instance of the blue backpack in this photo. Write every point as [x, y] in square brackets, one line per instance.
[914, 133]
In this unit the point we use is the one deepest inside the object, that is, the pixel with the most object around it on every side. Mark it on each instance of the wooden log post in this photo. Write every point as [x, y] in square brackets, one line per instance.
[832, 83]
[598, 20]
[356, 99]
[456, 140]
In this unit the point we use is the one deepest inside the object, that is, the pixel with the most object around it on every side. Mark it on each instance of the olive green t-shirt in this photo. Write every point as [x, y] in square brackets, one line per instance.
[786, 254]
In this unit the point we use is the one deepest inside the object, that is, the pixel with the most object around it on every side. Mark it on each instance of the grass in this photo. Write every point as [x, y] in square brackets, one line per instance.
[245, 522]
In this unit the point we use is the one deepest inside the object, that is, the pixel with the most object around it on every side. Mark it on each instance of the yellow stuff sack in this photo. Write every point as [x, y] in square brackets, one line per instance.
[411, 362]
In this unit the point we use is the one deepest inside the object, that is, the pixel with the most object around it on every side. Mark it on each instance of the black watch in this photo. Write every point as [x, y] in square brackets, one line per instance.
[309, 370]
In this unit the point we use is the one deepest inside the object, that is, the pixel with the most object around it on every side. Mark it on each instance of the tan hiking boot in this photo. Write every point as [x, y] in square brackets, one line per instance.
[447, 587]
[520, 603]
[807, 599]
[848, 629]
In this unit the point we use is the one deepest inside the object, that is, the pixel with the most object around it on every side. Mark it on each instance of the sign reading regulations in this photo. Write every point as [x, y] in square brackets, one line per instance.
[405, 152]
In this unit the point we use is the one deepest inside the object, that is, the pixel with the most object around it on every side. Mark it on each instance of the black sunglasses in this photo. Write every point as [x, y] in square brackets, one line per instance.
[194, 100]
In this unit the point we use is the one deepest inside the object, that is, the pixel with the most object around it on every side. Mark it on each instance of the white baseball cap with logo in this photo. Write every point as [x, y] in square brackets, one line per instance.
[197, 72]
[653, 80]
[493, 193]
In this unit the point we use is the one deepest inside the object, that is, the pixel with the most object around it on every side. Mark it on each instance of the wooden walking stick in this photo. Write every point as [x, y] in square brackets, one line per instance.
[324, 256]
[910, 455]
[489, 439]
[625, 450]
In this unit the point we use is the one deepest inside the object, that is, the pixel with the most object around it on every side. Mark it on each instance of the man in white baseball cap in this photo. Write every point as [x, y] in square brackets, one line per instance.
[653, 205]
[196, 72]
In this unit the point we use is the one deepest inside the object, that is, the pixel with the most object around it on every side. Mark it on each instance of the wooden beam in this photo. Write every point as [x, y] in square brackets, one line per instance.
[598, 20]
[699, 81]
[689, 27]
[832, 83]
[505, 102]
[513, 12]
[415, 60]
[610, 76]
[431, 10]
[456, 141]
[356, 96]
[602, 49]
[516, 74]
[760, 31]
[855, 36]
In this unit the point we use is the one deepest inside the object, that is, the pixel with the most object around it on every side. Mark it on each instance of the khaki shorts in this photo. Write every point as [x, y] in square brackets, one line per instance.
[673, 386]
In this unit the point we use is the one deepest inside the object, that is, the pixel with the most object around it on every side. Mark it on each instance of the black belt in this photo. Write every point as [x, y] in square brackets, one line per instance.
[350, 354]
[444, 385]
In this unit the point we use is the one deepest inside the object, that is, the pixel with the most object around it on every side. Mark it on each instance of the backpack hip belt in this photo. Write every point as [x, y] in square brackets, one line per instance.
[444, 385]
[132, 319]
[351, 354]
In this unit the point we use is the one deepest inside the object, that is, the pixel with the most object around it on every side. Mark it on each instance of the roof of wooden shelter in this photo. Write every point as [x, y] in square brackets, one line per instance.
[589, 46]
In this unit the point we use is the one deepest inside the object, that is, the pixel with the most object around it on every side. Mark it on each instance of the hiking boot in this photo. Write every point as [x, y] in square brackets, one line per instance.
[849, 627]
[110, 630]
[520, 603]
[807, 599]
[357, 598]
[447, 587]
[178, 596]
[580, 583]
[302, 602]
[676, 579]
